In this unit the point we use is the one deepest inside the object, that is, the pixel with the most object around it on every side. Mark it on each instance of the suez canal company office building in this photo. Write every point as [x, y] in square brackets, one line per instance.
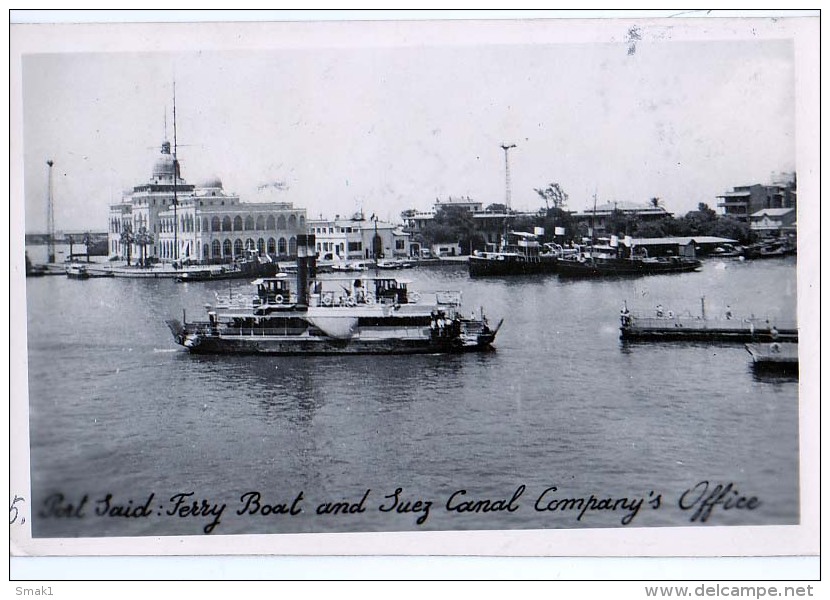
[211, 226]
[208, 224]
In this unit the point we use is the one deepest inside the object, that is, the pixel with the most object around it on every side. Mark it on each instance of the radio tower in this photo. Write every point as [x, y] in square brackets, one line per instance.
[50, 219]
[505, 147]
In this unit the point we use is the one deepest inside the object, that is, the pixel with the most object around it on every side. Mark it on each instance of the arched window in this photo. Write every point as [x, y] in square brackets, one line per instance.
[226, 224]
[283, 249]
[249, 223]
[302, 222]
[237, 223]
[281, 222]
[205, 226]
[215, 249]
[227, 249]
[260, 223]
[292, 246]
[292, 221]
[214, 224]
[270, 224]
[272, 246]
[205, 252]
[249, 244]
[237, 247]
[260, 246]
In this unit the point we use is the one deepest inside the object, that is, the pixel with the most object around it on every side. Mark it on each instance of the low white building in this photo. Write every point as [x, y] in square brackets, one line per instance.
[358, 238]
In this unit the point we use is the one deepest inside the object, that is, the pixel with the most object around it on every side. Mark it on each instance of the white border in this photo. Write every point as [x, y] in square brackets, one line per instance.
[703, 542]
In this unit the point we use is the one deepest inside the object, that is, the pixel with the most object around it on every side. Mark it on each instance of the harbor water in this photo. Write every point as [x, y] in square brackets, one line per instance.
[123, 422]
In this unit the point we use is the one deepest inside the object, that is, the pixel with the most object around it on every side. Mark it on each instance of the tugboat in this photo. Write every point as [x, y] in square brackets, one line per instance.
[360, 315]
[612, 261]
[520, 253]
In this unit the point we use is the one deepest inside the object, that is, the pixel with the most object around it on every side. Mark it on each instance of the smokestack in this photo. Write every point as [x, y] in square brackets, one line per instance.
[306, 266]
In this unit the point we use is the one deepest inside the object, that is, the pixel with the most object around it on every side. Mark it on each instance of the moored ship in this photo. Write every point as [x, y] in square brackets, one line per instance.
[622, 261]
[360, 315]
[520, 253]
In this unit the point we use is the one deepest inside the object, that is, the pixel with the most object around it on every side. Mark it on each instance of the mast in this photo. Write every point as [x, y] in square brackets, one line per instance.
[594, 228]
[175, 185]
[506, 148]
[50, 219]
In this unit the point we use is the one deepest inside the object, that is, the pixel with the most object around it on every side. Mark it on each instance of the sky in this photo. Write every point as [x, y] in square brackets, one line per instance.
[358, 125]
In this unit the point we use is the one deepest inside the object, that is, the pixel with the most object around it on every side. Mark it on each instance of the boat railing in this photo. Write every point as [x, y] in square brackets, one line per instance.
[718, 322]
[448, 297]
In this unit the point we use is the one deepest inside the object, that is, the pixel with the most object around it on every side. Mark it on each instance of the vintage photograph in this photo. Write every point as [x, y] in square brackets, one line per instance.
[538, 278]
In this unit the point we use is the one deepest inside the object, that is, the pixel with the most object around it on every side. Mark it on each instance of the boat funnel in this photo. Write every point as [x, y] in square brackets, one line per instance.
[306, 266]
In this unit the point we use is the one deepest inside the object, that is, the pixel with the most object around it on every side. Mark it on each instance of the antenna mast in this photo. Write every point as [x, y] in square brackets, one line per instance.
[175, 183]
[50, 219]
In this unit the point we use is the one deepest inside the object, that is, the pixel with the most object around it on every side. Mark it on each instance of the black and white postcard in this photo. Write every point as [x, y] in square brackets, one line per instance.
[514, 287]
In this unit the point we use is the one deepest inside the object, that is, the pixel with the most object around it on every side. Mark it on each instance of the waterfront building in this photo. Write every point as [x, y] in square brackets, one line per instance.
[742, 202]
[491, 224]
[358, 238]
[774, 221]
[208, 224]
[603, 216]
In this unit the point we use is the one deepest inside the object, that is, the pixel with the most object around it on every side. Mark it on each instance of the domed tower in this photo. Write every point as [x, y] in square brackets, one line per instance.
[164, 170]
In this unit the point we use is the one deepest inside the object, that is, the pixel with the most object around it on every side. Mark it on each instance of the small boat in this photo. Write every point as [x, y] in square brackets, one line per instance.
[76, 271]
[361, 314]
[392, 264]
[770, 249]
[33, 270]
[775, 356]
[520, 253]
[250, 268]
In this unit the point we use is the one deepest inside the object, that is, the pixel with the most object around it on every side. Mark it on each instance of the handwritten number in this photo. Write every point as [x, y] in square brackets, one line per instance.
[14, 512]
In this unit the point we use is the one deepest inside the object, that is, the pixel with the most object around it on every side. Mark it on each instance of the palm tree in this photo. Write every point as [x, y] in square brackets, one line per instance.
[87, 243]
[143, 239]
[127, 239]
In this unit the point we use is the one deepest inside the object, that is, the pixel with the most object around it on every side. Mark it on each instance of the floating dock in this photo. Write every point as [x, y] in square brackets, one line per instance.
[777, 356]
[669, 327]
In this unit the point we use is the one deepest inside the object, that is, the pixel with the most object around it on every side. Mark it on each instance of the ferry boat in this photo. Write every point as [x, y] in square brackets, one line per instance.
[364, 314]
[520, 253]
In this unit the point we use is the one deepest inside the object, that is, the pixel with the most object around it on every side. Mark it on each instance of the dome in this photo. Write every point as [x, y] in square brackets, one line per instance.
[164, 167]
[211, 182]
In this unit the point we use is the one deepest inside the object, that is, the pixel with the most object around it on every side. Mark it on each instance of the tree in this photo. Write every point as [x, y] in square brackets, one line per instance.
[496, 208]
[87, 243]
[127, 239]
[143, 239]
[453, 224]
[553, 195]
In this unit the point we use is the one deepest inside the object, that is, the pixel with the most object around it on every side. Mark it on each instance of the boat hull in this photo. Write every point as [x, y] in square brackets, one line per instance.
[199, 340]
[484, 267]
[774, 357]
[624, 268]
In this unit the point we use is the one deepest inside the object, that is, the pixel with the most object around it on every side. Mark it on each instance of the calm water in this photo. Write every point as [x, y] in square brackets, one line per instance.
[117, 408]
